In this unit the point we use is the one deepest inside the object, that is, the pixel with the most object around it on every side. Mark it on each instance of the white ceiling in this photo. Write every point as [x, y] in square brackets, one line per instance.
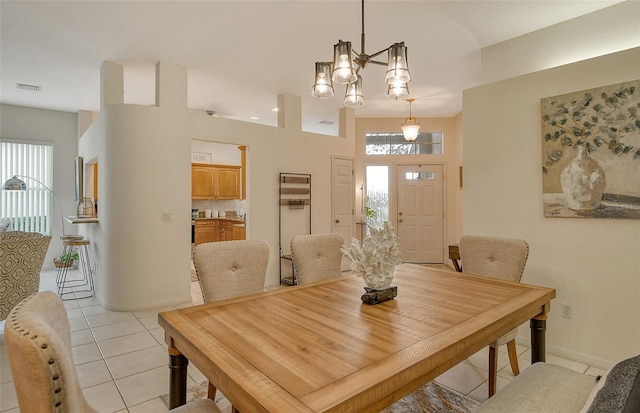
[241, 54]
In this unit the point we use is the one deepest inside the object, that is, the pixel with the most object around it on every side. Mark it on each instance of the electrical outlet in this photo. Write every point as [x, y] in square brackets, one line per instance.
[567, 310]
[167, 217]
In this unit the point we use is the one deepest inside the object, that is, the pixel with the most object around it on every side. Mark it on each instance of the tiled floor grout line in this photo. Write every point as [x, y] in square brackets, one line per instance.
[104, 360]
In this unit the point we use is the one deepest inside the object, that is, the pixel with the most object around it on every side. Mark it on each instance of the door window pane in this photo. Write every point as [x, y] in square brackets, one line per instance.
[377, 198]
[415, 176]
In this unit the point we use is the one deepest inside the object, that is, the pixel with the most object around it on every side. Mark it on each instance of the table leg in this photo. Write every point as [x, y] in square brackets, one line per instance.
[538, 327]
[177, 378]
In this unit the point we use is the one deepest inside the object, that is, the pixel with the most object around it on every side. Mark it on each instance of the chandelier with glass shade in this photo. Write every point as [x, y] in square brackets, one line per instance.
[346, 65]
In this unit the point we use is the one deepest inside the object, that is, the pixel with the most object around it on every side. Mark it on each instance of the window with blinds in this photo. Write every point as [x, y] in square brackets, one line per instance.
[28, 210]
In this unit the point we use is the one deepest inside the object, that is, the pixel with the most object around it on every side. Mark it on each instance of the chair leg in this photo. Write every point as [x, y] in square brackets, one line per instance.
[513, 357]
[493, 370]
[211, 393]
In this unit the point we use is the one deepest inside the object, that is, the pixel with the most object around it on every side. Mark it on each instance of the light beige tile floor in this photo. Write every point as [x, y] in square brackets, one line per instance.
[121, 359]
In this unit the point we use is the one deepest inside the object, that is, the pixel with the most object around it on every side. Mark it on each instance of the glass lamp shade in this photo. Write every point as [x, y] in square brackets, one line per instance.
[353, 95]
[343, 70]
[323, 87]
[410, 129]
[398, 69]
[14, 184]
[398, 91]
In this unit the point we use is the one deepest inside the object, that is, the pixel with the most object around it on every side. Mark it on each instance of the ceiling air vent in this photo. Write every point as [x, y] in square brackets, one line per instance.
[25, 86]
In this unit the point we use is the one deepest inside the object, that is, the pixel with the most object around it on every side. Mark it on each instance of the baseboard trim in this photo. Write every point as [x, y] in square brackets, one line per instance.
[571, 355]
[148, 306]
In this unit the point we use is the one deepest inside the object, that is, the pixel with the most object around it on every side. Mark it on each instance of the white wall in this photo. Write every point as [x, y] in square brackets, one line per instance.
[221, 153]
[60, 129]
[144, 153]
[593, 264]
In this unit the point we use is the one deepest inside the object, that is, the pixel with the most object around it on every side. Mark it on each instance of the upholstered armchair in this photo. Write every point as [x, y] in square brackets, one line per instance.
[317, 256]
[502, 258]
[21, 257]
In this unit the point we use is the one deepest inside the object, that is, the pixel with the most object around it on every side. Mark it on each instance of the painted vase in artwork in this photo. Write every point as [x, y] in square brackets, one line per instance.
[583, 182]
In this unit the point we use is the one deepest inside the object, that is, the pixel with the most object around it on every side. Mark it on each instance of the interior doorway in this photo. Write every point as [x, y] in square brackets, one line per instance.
[420, 213]
[343, 201]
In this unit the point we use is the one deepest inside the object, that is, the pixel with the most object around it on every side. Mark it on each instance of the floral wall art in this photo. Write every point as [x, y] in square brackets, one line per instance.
[591, 153]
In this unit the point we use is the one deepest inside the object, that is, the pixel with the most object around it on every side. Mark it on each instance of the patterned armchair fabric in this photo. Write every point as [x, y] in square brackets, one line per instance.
[21, 257]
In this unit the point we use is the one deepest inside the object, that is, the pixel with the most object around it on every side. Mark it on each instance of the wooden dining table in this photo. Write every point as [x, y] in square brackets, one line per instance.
[319, 348]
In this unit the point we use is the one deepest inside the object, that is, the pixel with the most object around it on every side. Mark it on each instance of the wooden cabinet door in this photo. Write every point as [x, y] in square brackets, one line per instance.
[225, 231]
[239, 233]
[206, 231]
[215, 181]
[227, 183]
[202, 182]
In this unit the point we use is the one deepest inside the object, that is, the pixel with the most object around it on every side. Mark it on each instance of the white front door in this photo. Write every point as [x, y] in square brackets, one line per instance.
[343, 201]
[421, 213]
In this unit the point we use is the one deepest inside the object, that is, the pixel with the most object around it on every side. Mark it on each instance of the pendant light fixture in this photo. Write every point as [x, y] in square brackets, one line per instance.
[346, 67]
[353, 95]
[323, 88]
[410, 127]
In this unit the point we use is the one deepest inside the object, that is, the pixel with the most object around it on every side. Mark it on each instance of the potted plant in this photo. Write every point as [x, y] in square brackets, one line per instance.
[66, 260]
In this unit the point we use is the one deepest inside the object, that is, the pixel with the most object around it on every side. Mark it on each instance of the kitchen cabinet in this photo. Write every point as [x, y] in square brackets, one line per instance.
[215, 181]
[206, 231]
[239, 232]
[225, 230]
[214, 230]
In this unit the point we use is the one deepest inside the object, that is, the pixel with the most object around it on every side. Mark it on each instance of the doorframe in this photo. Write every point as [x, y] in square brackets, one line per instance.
[445, 220]
[353, 192]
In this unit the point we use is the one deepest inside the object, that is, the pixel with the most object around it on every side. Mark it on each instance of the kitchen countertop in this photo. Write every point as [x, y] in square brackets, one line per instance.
[228, 218]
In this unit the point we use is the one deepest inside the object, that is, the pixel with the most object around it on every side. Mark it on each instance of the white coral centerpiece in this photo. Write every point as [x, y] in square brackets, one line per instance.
[377, 257]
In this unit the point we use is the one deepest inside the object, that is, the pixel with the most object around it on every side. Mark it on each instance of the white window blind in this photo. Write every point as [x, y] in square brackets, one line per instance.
[28, 210]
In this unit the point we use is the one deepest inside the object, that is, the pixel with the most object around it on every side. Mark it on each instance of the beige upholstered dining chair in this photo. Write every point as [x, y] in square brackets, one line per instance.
[317, 256]
[502, 258]
[230, 269]
[38, 339]
[21, 257]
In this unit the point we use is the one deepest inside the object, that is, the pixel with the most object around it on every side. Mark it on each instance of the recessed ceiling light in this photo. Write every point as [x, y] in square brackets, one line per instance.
[254, 118]
[274, 110]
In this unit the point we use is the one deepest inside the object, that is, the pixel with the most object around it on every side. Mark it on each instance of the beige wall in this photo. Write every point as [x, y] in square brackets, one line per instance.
[144, 153]
[594, 264]
[450, 159]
